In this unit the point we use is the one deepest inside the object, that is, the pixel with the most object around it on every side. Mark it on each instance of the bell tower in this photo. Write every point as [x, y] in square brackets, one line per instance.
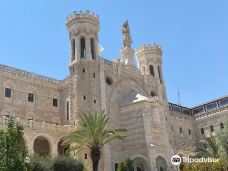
[83, 29]
[150, 63]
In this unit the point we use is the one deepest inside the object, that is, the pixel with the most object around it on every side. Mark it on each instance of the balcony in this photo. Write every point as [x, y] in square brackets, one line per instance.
[39, 125]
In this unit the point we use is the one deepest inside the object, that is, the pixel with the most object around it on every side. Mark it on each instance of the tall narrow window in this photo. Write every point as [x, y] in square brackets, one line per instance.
[83, 47]
[221, 125]
[152, 70]
[8, 92]
[202, 131]
[72, 50]
[212, 128]
[30, 97]
[159, 74]
[180, 130]
[67, 111]
[55, 102]
[92, 44]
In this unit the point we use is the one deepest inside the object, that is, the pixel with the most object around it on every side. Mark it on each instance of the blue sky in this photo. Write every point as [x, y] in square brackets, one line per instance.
[193, 35]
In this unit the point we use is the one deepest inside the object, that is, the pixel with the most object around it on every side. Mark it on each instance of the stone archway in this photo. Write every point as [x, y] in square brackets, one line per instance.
[140, 164]
[62, 148]
[161, 164]
[41, 146]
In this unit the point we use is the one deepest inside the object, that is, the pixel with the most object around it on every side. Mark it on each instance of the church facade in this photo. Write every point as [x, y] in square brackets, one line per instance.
[133, 97]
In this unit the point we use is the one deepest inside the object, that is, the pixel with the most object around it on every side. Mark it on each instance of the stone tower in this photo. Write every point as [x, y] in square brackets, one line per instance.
[150, 63]
[83, 28]
[83, 31]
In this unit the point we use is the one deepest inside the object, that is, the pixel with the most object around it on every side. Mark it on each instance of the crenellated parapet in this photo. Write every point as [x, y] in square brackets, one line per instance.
[88, 18]
[149, 48]
[28, 75]
[82, 14]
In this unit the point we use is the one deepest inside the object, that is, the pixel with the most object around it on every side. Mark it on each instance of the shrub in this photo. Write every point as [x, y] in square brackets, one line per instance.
[64, 163]
[206, 166]
[11, 154]
[41, 163]
[126, 166]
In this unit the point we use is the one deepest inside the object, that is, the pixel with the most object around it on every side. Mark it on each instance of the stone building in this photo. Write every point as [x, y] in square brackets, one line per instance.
[134, 97]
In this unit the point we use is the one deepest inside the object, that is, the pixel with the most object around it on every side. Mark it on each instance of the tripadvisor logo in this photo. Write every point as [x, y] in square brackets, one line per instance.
[176, 160]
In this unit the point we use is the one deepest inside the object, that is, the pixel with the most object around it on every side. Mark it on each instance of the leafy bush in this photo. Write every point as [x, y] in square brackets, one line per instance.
[206, 166]
[126, 166]
[40, 163]
[63, 163]
[11, 154]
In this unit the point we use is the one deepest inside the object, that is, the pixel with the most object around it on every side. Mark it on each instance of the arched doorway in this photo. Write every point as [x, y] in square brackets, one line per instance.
[161, 164]
[41, 146]
[62, 148]
[140, 164]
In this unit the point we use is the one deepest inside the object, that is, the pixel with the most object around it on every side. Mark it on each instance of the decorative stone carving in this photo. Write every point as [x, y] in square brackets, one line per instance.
[127, 40]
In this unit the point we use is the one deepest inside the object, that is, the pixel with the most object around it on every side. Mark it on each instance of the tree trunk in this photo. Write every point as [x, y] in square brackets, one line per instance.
[95, 155]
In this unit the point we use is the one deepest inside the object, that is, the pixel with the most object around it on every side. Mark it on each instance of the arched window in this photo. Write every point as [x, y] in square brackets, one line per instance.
[92, 44]
[159, 73]
[83, 47]
[72, 50]
[67, 111]
[151, 70]
[153, 94]
[161, 164]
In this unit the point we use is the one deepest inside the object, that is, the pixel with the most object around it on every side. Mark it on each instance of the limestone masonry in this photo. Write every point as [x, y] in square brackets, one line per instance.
[134, 98]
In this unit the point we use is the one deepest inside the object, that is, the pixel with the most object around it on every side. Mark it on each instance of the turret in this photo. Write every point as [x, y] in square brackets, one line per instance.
[150, 63]
[150, 60]
[83, 29]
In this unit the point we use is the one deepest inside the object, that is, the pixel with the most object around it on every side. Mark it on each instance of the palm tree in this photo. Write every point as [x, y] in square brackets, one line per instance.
[223, 139]
[93, 134]
[209, 147]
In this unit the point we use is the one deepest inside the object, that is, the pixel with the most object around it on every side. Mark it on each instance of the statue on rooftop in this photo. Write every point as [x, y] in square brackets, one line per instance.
[127, 41]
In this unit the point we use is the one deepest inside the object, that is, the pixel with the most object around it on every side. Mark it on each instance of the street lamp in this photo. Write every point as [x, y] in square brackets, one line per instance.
[27, 161]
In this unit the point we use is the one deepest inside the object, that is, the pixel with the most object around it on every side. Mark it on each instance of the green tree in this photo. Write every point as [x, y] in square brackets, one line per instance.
[208, 147]
[93, 134]
[128, 165]
[223, 140]
[11, 152]
[215, 146]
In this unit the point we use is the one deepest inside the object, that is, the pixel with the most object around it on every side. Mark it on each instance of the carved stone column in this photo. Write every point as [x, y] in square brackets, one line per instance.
[88, 48]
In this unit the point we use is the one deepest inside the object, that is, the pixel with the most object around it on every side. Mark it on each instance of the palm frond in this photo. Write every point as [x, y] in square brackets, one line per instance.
[93, 132]
[208, 147]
